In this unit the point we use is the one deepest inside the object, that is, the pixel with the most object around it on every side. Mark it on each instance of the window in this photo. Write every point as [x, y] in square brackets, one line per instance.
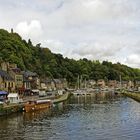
[12, 85]
[5, 85]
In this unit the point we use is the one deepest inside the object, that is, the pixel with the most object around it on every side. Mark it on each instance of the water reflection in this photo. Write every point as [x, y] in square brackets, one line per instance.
[96, 116]
[98, 98]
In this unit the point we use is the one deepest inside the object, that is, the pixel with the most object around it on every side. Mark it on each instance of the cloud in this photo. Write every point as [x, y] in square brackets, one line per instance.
[133, 60]
[96, 29]
[32, 30]
[81, 12]
[100, 49]
[54, 45]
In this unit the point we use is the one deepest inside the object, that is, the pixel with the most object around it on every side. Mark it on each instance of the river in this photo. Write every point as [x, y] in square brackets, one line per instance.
[102, 116]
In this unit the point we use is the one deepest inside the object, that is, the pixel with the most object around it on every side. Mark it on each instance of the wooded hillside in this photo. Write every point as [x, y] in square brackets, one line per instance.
[47, 64]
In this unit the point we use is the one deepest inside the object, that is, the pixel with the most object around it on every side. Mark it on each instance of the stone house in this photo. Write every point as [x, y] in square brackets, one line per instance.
[30, 80]
[47, 84]
[137, 85]
[7, 83]
[130, 84]
[60, 83]
[112, 83]
[18, 78]
[91, 83]
[101, 83]
[64, 83]
[124, 84]
[15, 73]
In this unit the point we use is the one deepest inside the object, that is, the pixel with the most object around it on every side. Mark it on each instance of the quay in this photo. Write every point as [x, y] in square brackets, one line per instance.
[133, 95]
[62, 98]
[54, 99]
[6, 109]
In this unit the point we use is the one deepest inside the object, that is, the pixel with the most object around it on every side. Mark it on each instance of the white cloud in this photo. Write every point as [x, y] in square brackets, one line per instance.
[54, 45]
[100, 49]
[96, 29]
[32, 30]
[133, 60]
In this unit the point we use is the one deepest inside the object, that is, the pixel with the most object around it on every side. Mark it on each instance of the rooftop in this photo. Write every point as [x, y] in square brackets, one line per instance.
[5, 75]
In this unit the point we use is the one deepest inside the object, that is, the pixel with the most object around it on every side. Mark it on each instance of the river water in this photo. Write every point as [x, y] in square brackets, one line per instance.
[102, 116]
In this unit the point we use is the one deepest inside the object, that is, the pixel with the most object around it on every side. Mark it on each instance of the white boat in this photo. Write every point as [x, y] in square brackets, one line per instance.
[14, 98]
[79, 92]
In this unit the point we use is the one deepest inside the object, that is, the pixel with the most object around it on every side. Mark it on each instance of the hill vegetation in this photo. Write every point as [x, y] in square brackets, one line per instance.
[47, 64]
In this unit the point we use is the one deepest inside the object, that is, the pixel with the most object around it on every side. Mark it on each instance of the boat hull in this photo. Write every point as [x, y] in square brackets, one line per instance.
[32, 106]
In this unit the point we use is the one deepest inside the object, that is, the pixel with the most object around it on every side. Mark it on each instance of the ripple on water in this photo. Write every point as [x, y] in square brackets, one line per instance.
[105, 118]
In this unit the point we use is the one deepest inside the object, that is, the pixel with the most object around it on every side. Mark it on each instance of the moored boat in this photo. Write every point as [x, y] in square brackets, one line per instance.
[37, 105]
[13, 104]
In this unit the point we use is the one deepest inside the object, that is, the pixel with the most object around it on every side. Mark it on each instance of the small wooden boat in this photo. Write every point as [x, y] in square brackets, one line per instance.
[37, 105]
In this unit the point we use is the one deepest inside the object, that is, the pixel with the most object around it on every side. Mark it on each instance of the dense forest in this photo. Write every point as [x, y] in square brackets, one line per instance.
[47, 64]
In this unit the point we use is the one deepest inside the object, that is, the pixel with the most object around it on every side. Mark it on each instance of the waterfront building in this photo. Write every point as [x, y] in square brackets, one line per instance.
[14, 98]
[101, 83]
[60, 83]
[47, 84]
[14, 76]
[64, 83]
[91, 84]
[124, 84]
[130, 84]
[18, 78]
[30, 80]
[137, 85]
[112, 83]
[7, 83]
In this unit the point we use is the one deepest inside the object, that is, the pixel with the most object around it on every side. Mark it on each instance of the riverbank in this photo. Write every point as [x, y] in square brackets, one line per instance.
[133, 95]
[6, 109]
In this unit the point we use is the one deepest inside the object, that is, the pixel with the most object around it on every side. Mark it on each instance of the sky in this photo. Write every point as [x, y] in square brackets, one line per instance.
[94, 29]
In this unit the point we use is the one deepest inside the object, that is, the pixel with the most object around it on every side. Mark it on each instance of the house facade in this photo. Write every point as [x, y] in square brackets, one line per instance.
[91, 84]
[60, 84]
[112, 83]
[30, 80]
[48, 85]
[18, 78]
[137, 85]
[101, 83]
[7, 83]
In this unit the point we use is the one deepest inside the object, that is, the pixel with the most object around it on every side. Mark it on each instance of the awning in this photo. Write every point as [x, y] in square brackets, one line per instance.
[3, 92]
[35, 90]
[13, 95]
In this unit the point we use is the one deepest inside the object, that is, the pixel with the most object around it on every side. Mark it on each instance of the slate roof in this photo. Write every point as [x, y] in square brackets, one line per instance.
[16, 70]
[29, 73]
[58, 81]
[46, 81]
[5, 75]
